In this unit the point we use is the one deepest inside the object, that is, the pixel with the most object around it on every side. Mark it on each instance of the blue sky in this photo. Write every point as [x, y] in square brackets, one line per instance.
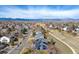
[39, 11]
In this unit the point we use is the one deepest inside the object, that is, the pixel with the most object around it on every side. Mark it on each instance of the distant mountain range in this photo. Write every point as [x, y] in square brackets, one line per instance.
[37, 20]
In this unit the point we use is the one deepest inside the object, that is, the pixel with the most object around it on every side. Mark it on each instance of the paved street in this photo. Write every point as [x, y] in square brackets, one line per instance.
[19, 47]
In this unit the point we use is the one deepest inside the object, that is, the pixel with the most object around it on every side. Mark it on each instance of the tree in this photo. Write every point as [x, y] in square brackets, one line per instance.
[34, 33]
[16, 39]
[74, 34]
[24, 30]
[12, 43]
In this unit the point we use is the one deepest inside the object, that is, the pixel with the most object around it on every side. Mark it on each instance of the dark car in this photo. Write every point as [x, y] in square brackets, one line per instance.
[2, 45]
[3, 52]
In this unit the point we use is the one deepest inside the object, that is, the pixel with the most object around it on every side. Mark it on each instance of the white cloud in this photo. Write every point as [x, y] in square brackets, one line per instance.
[39, 13]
